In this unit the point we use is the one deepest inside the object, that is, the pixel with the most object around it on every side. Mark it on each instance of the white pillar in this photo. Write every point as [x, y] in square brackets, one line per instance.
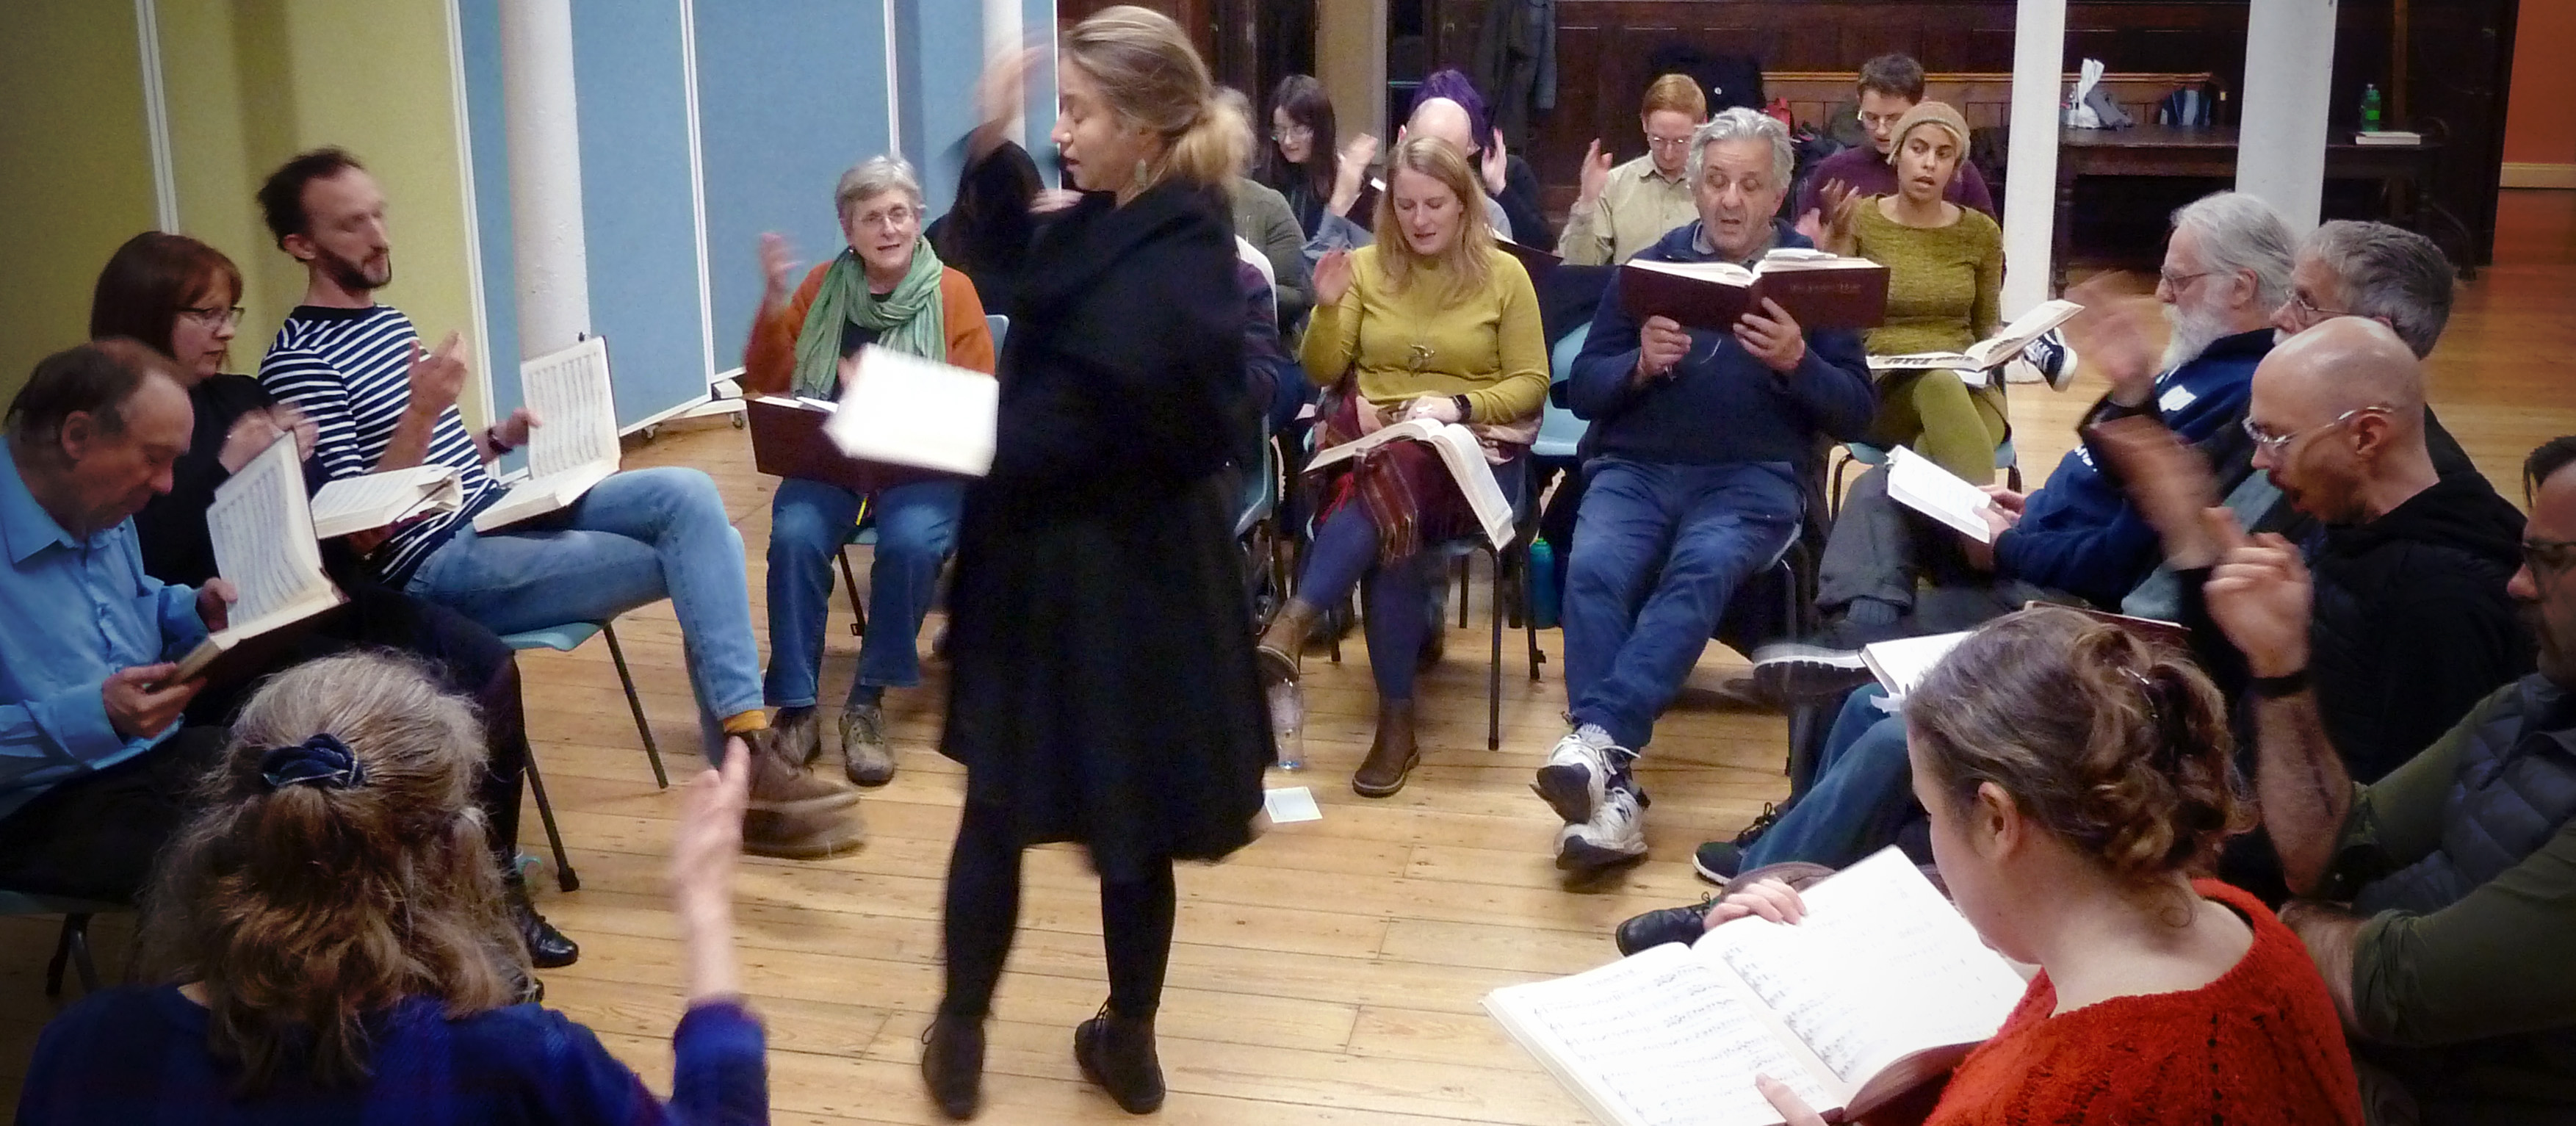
[2281, 147]
[2030, 178]
[1002, 36]
[553, 263]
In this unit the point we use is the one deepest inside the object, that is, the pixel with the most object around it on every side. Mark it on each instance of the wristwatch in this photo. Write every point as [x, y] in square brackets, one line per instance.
[1464, 413]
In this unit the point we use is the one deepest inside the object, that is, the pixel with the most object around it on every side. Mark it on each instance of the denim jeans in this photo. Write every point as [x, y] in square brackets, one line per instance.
[809, 521]
[1659, 551]
[633, 539]
[1864, 786]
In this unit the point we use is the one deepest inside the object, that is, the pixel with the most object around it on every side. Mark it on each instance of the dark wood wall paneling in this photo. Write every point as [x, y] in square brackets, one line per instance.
[2461, 58]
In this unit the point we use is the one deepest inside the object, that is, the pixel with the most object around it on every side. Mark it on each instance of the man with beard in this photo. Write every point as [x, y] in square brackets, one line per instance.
[2439, 898]
[379, 404]
[2226, 269]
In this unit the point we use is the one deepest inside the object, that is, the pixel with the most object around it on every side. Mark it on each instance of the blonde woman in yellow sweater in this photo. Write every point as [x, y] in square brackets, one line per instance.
[1945, 267]
[1431, 322]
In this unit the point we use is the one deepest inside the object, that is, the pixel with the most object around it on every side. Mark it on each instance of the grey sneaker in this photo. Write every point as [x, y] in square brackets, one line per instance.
[871, 762]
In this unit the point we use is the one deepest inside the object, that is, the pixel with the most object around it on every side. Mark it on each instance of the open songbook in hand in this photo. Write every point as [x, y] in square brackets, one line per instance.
[901, 409]
[262, 528]
[379, 500]
[1992, 352]
[1919, 483]
[1883, 986]
[1902, 663]
[1818, 289]
[787, 440]
[1459, 452]
[573, 445]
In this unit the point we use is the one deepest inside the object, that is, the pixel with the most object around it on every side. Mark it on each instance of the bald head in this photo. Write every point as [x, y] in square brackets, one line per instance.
[2348, 363]
[2341, 408]
[1445, 119]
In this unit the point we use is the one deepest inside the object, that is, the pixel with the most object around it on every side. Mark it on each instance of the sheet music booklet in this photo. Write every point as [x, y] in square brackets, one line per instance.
[1992, 352]
[262, 528]
[377, 500]
[1919, 483]
[1460, 453]
[1881, 987]
[900, 409]
[574, 444]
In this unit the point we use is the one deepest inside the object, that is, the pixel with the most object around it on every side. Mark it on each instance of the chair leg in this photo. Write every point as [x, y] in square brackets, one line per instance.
[1494, 668]
[565, 878]
[72, 948]
[635, 704]
[1463, 569]
[1529, 613]
[850, 583]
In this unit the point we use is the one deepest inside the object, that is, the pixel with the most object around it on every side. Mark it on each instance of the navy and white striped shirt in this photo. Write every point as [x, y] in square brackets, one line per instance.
[349, 371]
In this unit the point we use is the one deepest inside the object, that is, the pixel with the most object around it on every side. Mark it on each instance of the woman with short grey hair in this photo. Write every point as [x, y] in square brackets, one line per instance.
[887, 288]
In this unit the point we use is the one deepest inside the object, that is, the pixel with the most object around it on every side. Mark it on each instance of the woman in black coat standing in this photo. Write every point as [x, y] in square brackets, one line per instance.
[1102, 684]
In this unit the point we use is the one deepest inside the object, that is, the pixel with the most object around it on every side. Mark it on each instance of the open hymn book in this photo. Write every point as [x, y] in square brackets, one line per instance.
[1882, 986]
[262, 528]
[1818, 289]
[1919, 483]
[1991, 352]
[1460, 453]
[378, 500]
[573, 446]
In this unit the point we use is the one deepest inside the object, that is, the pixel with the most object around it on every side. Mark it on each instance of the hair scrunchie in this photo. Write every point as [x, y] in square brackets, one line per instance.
[322, 760]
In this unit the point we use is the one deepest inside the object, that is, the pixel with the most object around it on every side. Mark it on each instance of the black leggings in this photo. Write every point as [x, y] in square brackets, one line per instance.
[984, 910]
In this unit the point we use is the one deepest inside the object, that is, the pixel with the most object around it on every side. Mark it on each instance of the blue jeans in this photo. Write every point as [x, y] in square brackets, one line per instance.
[1659, 549]
[809, 521]
[1863, 789]
[633, 539]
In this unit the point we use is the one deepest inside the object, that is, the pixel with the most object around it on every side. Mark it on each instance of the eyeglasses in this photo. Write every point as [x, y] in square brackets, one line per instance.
[2176, 282]
[1880, 120]
[2275, 443]
[215, 316]
[2548, 555]
[1666, 143]
[2308, 310]
[1299, 131]
[890, 217]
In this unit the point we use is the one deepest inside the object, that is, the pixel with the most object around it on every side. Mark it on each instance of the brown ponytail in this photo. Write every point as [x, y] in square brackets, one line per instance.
[1151, 77]
[2119, 746]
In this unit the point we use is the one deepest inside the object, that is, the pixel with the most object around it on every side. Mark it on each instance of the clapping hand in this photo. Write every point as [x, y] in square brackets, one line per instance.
[704, 856]
[2121, 335]
[1594, 178]
[2170, 484]
[1496, 164]
[777, 265]
[1841, 204]
[436, 378]
[1332, 277]
[1349, 169]
[2259, 595]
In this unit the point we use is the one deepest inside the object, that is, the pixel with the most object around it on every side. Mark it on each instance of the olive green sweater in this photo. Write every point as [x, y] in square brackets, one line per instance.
[1944, 284]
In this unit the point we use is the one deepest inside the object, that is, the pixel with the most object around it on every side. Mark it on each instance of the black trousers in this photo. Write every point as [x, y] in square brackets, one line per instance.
[96, 836]
[984, 910]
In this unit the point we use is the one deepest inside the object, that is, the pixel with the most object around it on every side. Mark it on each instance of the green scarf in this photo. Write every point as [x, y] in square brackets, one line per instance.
[912, 319]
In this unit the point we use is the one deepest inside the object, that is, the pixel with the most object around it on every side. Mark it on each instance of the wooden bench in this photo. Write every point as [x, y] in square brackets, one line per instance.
[1984, 99]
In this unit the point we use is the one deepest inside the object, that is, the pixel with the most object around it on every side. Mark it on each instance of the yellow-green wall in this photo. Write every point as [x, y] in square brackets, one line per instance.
[253, 82]
[75, 168]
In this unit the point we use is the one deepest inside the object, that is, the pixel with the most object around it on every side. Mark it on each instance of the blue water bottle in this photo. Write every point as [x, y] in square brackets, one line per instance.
[1542, 584]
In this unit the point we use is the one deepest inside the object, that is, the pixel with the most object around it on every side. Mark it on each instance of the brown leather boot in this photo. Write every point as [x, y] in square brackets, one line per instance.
[1392, 756]
[781, 784]
[1285, 640]
[811, 835]
[1117, 1052]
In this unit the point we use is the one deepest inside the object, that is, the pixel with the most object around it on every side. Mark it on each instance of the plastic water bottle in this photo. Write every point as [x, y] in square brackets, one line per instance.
[2370, 108]
[1288, 724]
[1544, 597]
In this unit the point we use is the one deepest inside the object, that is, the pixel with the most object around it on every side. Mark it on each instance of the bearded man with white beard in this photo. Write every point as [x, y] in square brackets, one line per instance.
[1887, 573]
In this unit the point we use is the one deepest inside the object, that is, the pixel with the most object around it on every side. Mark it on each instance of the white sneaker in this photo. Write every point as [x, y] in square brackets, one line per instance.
[1577, 769]
[1616, 834]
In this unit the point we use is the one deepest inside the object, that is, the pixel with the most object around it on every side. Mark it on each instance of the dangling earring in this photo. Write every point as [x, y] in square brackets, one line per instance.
[1141, 173]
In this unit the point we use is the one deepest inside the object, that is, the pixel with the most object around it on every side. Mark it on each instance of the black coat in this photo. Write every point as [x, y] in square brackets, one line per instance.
[1102, 684]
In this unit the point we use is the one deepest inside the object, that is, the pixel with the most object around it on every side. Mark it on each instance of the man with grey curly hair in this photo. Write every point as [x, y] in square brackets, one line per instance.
[1694, 451]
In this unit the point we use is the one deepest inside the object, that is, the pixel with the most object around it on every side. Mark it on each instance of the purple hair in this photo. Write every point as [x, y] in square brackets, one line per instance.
[1454, 85]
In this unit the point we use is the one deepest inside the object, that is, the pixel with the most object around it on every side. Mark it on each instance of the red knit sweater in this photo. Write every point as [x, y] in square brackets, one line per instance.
[2260, 1045]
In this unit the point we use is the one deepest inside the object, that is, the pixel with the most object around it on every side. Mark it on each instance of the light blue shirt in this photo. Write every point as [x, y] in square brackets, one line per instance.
[73, 611]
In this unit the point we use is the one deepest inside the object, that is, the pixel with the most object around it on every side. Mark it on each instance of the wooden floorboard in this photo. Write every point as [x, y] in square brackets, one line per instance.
[1330, 973]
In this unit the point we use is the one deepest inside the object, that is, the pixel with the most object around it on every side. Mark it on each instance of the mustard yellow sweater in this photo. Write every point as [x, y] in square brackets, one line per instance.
[1487, 345]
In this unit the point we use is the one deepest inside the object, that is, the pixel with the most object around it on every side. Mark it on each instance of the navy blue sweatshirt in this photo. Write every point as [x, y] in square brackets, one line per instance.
[1719, 405]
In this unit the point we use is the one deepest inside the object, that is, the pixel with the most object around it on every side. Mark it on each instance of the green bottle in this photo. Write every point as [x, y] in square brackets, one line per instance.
[2370, 108]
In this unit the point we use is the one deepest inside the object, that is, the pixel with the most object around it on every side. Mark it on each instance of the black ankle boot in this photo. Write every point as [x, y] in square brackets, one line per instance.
[548, 949]
[1117, 1052]
[952, 1064]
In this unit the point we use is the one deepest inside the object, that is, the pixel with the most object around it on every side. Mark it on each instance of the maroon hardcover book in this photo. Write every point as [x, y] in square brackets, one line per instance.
[787, 440]
[1819, 292]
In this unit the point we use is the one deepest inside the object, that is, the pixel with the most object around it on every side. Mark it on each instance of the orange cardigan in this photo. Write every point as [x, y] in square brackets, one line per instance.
[769, 357]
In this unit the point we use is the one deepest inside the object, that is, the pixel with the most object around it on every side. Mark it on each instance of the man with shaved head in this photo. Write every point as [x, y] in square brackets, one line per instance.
[2412, 625]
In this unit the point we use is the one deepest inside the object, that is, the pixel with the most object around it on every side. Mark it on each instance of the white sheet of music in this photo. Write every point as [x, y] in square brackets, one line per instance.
[262, 530]
[899, 409]
[374, 500]
[1881, 966]
[1663, 1039]
[576, 409]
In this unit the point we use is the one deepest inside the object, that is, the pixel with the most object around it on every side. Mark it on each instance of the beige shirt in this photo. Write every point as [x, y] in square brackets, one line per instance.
[1637, 207]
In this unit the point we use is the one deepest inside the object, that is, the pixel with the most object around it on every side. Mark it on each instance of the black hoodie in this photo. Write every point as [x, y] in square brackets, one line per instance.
[2411, 623]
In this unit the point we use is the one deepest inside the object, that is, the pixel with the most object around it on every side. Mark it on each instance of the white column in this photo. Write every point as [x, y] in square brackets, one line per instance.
[553, 263]
[2030, 178]
[2281, 147]
[1002, 36]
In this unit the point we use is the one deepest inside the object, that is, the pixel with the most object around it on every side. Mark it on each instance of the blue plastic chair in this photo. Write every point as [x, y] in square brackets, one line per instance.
[564, 639]
[1558, 430]
[1000, 326]
[72, 948]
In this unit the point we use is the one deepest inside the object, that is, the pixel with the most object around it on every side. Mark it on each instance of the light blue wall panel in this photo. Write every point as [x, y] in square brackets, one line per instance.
[479, 27]
[790, 94]
[639, 214]
[942, 47]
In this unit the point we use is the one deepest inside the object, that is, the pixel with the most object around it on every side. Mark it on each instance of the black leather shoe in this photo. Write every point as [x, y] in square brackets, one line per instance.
[952, 1065]
[1118, 1054]
[548, 949]
[1667, 924]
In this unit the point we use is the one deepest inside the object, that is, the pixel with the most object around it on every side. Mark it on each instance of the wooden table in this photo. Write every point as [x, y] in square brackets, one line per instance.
[2159, 150]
